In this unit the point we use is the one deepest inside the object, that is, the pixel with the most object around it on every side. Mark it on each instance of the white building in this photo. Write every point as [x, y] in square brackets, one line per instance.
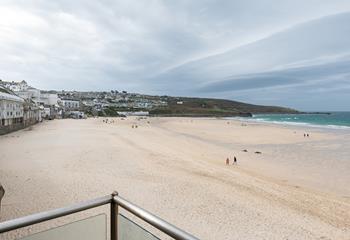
[15, 86]
[140, 113]
[29, 94]
[48, 99]
[77, 115]
[70, 104]
[45, 112]
[16, 112]
[32, 114]
[11, 108]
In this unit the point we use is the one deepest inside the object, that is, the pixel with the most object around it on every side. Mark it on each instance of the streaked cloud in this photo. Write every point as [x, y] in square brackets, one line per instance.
[170, 47]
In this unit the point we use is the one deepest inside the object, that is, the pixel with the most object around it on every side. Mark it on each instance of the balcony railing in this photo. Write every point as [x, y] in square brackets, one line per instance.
[94, 228]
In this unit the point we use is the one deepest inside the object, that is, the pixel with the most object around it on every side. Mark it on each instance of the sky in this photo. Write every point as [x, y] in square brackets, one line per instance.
[293, 53]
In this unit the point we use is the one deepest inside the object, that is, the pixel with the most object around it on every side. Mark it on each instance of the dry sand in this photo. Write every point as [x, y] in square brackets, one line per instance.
[298, 188]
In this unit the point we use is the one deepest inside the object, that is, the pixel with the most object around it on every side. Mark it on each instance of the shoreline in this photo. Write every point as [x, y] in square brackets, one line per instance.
[291, 124]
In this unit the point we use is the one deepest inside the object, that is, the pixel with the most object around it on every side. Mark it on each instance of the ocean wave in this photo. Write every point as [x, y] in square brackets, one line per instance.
[281, 122]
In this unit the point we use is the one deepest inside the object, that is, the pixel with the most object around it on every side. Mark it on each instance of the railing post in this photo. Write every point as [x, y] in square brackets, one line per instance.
[114, 218]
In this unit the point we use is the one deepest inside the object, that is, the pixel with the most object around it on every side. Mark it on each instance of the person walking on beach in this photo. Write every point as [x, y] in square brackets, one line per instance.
[234, 160]
[227, 161]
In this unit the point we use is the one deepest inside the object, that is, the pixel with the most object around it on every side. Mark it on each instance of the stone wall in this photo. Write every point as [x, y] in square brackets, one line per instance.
[16, 127]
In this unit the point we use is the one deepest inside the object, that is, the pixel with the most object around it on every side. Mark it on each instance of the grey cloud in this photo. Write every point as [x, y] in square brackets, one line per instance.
[309, 52]
[325, 37]
[294, 76]
[152, 45]
[323, 96]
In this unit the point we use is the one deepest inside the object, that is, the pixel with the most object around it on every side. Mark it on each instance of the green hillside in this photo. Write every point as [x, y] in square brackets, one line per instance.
[179, 106]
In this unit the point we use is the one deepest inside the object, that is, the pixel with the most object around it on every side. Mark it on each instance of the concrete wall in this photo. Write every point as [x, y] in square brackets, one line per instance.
[11, 128]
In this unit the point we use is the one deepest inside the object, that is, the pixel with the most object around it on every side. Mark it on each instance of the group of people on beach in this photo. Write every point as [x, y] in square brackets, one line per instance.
[234, 161]
[306, 135]
[108, 121]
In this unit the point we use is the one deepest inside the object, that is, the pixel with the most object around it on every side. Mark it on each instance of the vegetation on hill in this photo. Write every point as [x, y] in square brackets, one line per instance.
[213, 107]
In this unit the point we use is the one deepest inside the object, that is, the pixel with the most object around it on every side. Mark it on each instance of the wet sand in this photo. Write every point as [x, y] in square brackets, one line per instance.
[297, 188]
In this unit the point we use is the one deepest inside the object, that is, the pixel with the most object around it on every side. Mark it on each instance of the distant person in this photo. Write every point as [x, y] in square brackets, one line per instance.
[304, 135]
[227, 161]
[235, 160]
[307, 135]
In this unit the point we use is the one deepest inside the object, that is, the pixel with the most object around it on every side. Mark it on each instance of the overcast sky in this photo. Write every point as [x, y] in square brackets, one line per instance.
[294, 53]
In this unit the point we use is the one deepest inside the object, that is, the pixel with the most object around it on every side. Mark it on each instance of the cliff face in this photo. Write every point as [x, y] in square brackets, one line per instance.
[214, 107]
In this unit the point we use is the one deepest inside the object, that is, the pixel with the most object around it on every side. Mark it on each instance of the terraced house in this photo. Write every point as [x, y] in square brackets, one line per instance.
[11, 110]
[15, 112]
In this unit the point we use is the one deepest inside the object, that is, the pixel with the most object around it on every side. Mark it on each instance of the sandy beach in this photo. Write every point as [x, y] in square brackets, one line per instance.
[297, 188]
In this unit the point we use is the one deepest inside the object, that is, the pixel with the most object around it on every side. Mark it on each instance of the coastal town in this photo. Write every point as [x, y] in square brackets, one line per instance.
[22, 105]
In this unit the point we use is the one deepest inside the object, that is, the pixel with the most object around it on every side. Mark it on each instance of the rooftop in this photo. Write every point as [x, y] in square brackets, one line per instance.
[6, 94]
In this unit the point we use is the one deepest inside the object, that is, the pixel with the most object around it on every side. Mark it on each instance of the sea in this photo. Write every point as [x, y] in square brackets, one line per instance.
[334, 120]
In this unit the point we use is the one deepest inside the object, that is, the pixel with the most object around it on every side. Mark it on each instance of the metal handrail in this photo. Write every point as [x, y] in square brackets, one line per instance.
[155, 221]
[115, 202]
[52, 214]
